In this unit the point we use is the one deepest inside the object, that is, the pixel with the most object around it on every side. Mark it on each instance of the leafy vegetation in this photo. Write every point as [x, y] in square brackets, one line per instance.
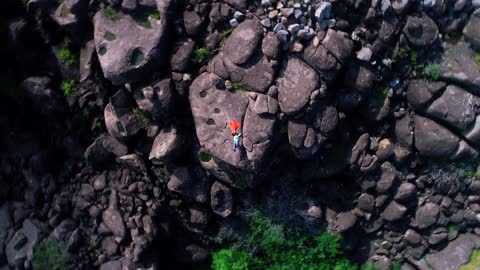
[205, 157]
[224, 35]
[201, 55]
[154, 14]
[142, 21]
[452, 228]
[270, 247]
[67, 87]
[67, 56]
[110, 13]
[453, 38]
[240, 87]
[474, 261]
[142, 118]
[379, 96]
[477, 59]
[49, 255]
[432, 71]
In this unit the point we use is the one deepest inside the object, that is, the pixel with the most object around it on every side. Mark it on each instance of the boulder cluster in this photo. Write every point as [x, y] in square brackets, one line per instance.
[358, 116]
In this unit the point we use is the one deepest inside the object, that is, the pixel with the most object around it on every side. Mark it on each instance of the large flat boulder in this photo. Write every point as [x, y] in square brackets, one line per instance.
[127, 49]
[471, 31]
[213, 107]
[296, 83]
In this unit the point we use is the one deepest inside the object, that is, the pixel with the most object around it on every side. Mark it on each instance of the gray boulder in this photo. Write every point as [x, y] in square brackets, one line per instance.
[244, 41]
[185, 182]
[420, 92]
[457, 253]
[213, 107]
[168, 145]
[321, 59]
[182, 55]
[387, 179]
[221, 199]
[339, 45]
[19, 250]
[393, 212]
[126, 49]
[120, 119]
[471, 31]
[421, 30]
[133, 162]
[427, 215]
[113, 218]
[406, 192]
[103, 150]
[71, 15]
[296, 83]
[156, 99]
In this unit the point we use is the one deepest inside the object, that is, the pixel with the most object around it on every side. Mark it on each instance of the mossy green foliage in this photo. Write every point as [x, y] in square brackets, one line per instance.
[378, 97]
[369, 267]
[474, 261]
[142, 21]
[201, 55]
[476, 57]
[469, 168]
[154, 14]
[453, 38]
[270, 247]
[110, 13]
[142, 118]
[67, 87]
[224, 35]
[67, 56]
[240, 87]
[205, 157]
[49, 255]
[452, 228]
[432, 71]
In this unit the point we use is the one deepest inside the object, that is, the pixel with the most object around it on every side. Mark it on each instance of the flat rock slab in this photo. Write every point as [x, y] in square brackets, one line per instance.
[125, 48]
[458, 65]
[456, 254]
[213, 107]
[295, 86]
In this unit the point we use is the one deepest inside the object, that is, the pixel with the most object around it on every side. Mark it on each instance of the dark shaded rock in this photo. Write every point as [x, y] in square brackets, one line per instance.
[406, 192]
[471, 31]
[296, 83]
[438, 236]
[191, 254]
[19, 250]
[168, 145]
[433, 140]
[188, 184]
[413, 238]
[387, 179]
[182, 55]
[43, 98]
[393, 212]
[360, 76]
[192, 23]
[156, 99]
[339, 45]
[120, 119]
[427, 215]
[109, 246]
[359, 150]
[111, 265]
[420, 92]
[321, 59]
[402, 131]
[238, 4]
[87, 53]
[221, 199]
[134, 162]
[345, 221]
[420, 30]
[112, 217]
[297, 131]
[366, 202]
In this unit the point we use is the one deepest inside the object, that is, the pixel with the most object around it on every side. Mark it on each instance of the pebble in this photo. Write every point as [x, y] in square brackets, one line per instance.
[294, 28]
[233, 23]
[266, 23]
[429, 3]
[282, 35]
[278, 27]
[273, 14]
[365, 54]
[324, 11]
[239, 16]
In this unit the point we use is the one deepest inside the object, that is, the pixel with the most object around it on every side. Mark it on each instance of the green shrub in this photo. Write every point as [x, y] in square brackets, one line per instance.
[110, 13]
[432, 71]
[474, 261]
[154, 14]
[49, 255]
[230, 259]
[452, 228]
[202, 55]
[270, 247]
[477, 59]
[67, 56]
[240, 87]
[67, 87]
[205, 157]
[142, 118]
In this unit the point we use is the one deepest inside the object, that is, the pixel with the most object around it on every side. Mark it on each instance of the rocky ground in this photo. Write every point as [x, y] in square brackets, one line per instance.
[359, 117]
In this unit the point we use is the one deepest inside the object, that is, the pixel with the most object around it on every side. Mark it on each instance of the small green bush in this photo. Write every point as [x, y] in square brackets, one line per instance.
[67, 87]
[201, 55]
[49, 255]
[477, 59]
[205, 157]
[142, 118]
[142, 20]
[270, 247]
[240, 87]
[452, 228]
[110, 13]
[67, 56]
[432, 71]
[154, 14]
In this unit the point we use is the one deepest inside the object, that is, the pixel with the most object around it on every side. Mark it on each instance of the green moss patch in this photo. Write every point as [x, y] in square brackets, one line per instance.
[474, 261]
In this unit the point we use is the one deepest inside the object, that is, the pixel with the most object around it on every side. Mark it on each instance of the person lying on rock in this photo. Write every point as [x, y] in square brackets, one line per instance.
[236, 141]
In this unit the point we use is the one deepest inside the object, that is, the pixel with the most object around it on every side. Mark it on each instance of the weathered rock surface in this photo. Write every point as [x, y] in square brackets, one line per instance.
[19, 250]
[421, 30]
[213, 107]
[120, 119]
[168, 145]
[112, 217]
[394, 212]
[471, 31]
[189, 184]
[427, 215]
[126, 49]
[221, 199]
